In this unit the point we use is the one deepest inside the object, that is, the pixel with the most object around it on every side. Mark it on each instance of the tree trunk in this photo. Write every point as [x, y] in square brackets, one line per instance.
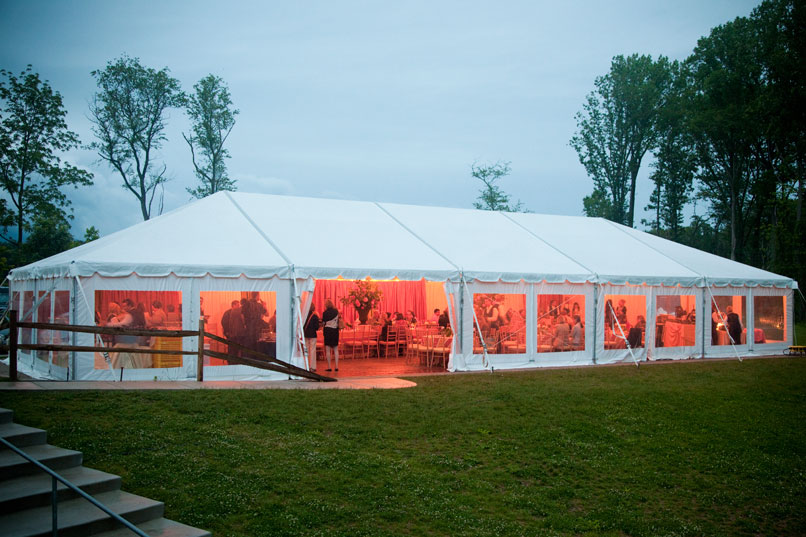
[631, 210]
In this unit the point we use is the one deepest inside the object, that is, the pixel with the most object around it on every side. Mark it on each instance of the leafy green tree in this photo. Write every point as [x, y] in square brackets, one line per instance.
[50, 235]
[780, 150]
[33, 134]
[725, 86]
[675, 162]
[211, 112]
[90, 234]
[491, 197]
[129, 116]
[616, 128]
[598, 204]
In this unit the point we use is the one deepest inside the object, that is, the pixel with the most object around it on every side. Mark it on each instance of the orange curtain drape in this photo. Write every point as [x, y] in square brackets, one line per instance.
[398, 296]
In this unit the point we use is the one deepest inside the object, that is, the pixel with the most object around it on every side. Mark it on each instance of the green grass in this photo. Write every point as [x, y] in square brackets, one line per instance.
[684, 449]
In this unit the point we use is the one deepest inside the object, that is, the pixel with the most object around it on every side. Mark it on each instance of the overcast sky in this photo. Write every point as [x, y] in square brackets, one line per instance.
[377, 101]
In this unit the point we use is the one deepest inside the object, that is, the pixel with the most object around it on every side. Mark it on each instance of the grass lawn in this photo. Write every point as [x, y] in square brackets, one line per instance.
[696, 448]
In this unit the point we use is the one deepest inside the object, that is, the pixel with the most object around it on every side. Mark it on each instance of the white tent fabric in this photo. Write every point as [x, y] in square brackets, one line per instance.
[240, 241]
[260, 235]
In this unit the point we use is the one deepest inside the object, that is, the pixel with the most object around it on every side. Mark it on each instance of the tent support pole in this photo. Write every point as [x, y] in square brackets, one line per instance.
[485, 361]
[595, 316]
[703, 316]
[71, 374]
[461, 327]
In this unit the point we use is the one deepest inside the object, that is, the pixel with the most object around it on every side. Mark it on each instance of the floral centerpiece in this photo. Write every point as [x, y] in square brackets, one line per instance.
[364, 296]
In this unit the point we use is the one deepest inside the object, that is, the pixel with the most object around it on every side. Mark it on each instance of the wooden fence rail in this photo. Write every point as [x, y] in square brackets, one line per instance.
[258, 359]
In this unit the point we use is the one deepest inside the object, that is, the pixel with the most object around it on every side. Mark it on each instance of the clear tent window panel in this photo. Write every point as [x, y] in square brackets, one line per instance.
[560, 323]
[675, 320]
[245, 318]
[769, 319]
[502, 318]
[160, 310]
[728, 319]
[625, 321]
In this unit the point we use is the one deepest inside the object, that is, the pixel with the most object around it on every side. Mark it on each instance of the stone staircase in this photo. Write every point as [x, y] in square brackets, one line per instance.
[25, 493]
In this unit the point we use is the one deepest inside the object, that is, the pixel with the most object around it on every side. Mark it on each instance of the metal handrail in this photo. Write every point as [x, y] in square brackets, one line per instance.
[54, 498]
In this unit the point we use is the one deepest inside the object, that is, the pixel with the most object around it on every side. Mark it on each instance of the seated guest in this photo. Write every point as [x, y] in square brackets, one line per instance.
[158, 318]
[435, 317]
[443, 320]
[561, 334]
[634, 337]
[641, 323]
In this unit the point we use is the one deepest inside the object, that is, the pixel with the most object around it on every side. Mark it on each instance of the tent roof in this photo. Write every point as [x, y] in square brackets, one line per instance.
[230, 234]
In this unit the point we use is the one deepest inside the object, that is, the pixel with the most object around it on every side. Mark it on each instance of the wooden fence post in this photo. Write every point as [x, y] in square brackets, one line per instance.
[200, 362]
[12, 345]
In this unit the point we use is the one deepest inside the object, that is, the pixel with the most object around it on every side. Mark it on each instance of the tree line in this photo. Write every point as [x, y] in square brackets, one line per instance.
[725, 128]
[128, 113]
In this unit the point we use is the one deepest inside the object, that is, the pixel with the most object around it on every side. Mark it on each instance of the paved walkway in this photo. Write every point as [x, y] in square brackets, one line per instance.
[26, 383]
[369, 383]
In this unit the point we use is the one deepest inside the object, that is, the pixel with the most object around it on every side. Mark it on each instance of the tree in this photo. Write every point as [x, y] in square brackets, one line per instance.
[491, 197]
[33, 132]
[675, 165]
[210, 110]
[725, 86]
[129, 116]
[616, 128]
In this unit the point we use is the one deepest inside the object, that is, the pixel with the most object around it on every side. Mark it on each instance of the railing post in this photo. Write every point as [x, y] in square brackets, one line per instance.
[200, 361]
[54, 500]
[13, 332]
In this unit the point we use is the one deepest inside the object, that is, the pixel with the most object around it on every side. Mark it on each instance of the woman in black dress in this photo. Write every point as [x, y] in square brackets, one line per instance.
[330, 320]
[310, 329]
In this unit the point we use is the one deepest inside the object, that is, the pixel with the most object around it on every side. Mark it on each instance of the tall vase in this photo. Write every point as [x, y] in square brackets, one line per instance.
[362, 315]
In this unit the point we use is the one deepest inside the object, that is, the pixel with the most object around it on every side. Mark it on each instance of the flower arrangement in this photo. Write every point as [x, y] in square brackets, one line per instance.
[364, 296]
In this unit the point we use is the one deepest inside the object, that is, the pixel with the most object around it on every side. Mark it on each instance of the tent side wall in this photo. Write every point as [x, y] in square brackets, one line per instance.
[665, 337]
[81, 295]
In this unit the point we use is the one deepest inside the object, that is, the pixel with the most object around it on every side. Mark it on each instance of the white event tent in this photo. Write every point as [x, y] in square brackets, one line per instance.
[245, 243]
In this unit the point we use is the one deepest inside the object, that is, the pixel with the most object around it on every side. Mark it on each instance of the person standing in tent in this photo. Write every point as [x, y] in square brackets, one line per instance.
[578, 335]
[331, 319]
[734, 325]
[309, 329]
[253, 311]
[492, 318]
[233, 325]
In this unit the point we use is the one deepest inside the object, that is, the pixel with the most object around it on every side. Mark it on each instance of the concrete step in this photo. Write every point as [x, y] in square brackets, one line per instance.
[21, 435]
[55, 458]
[160, 527]
[34, 490]
[79, 517]
[6, 415]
